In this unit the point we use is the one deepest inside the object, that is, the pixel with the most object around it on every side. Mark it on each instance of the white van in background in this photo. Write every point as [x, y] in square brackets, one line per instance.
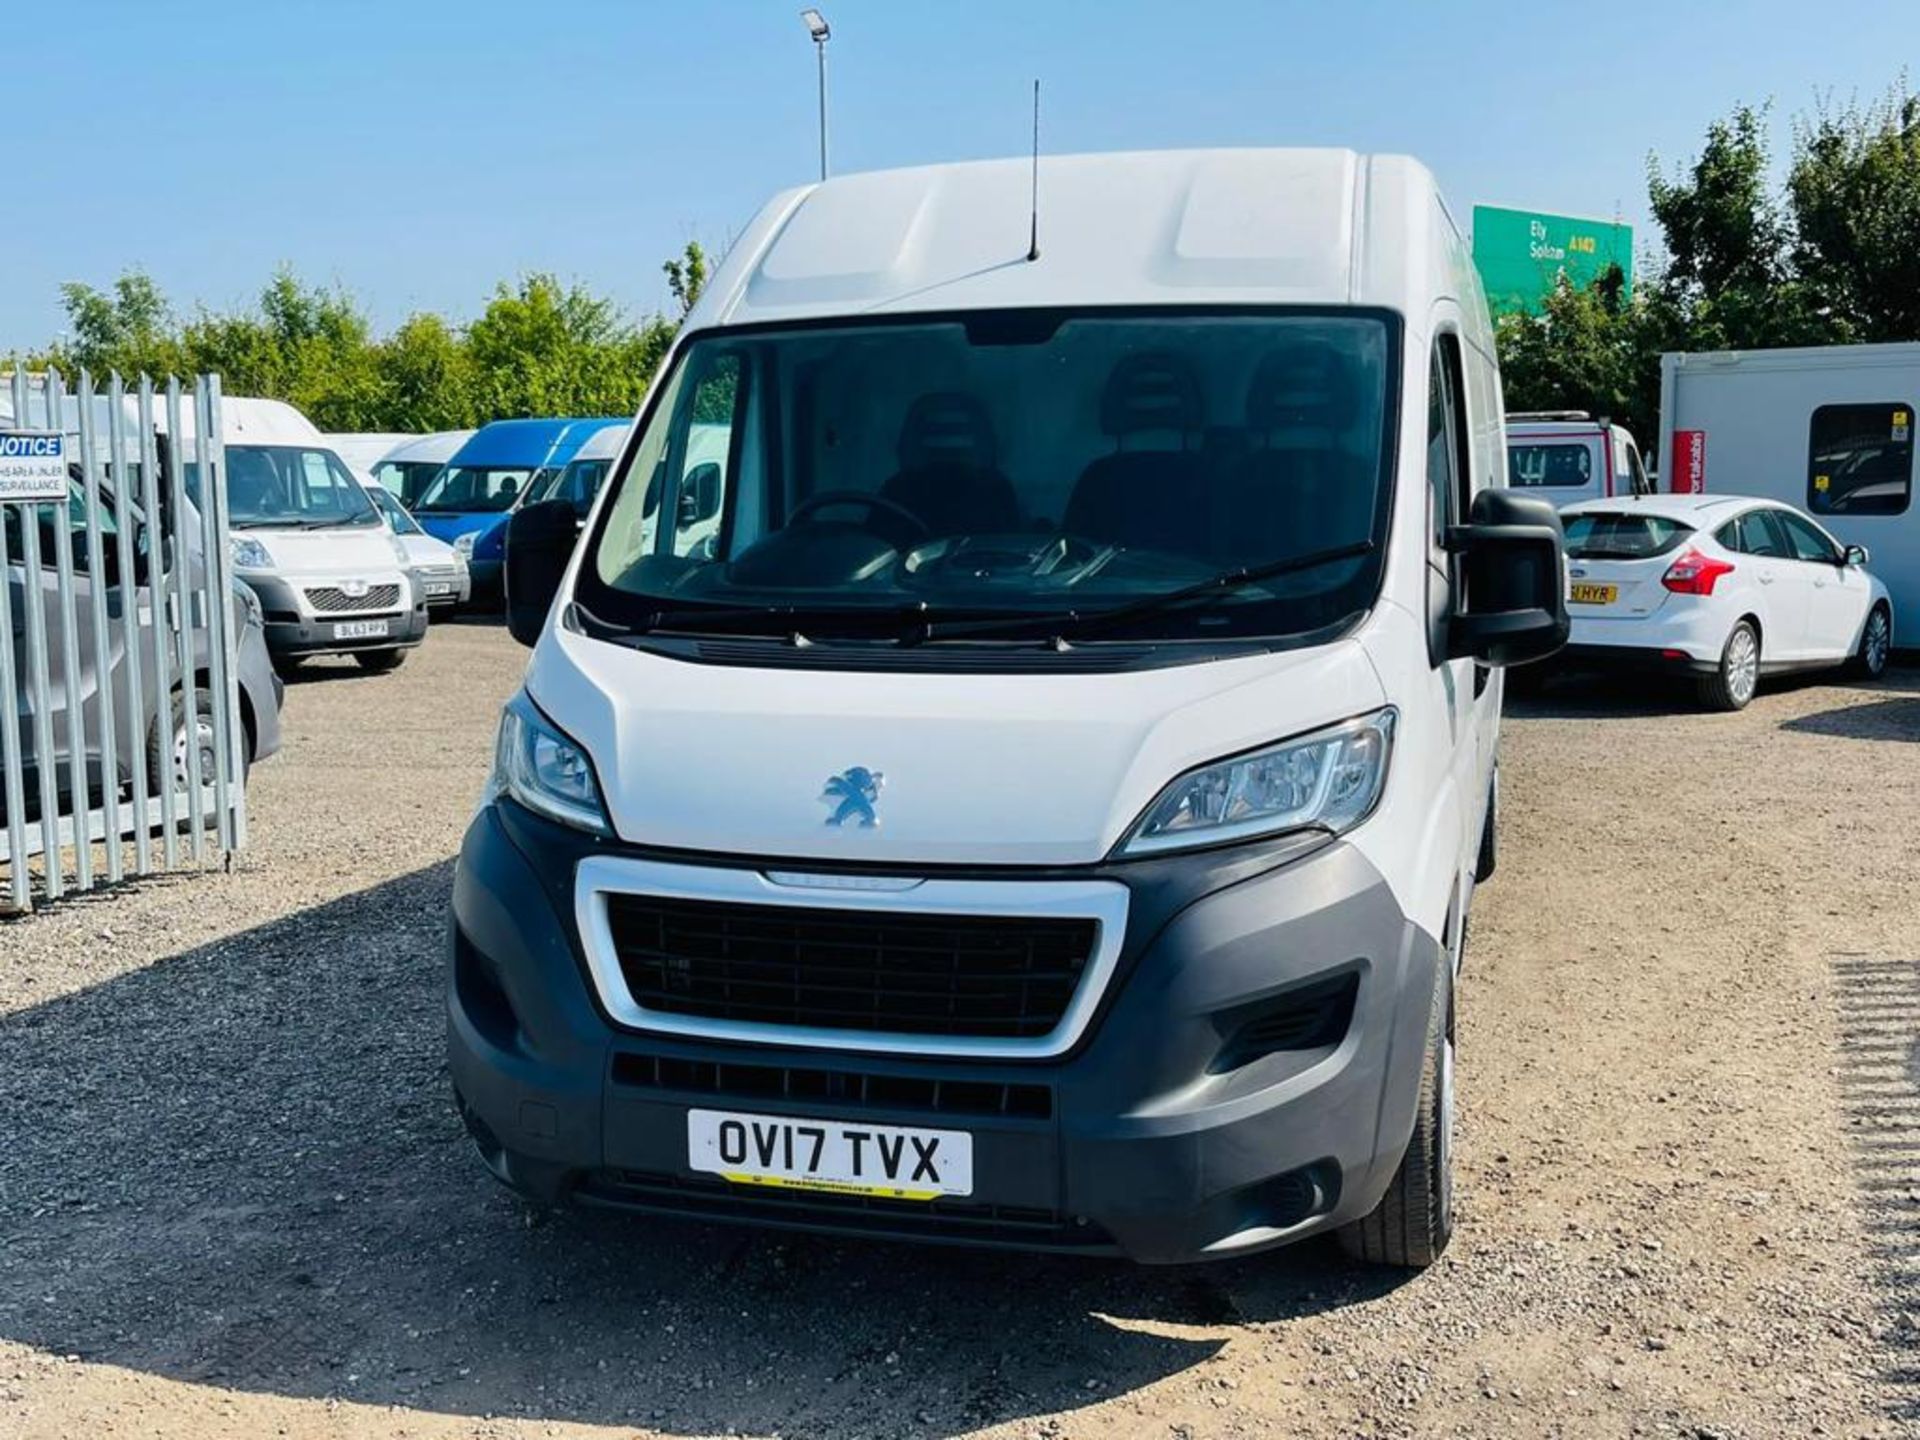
[439, 570]
[410, 467]
[330, 577]
[1042, 808]
[364, 449]
[1566, 456]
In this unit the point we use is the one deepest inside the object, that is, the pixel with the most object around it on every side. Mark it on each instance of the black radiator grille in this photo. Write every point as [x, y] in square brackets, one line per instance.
[981, 976]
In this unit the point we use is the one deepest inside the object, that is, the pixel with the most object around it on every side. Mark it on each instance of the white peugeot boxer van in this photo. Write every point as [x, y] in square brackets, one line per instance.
[1043, 809]
[330, 576]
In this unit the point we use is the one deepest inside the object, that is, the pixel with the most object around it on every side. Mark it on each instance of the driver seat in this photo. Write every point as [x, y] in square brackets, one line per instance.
[948, 475]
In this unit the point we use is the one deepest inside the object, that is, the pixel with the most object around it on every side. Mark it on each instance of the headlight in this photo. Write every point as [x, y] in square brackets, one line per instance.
[1329, 780]
[463, 546]
[250, 554]
[544, 770]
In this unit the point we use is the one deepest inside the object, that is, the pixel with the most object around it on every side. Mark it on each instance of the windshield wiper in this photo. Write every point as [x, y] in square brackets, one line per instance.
[786, 623]
[1056, 625]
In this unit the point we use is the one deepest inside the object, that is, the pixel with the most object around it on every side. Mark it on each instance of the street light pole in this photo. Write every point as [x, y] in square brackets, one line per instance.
[817, 27]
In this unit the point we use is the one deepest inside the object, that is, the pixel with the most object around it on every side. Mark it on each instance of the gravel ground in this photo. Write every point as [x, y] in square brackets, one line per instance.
[234, 1200]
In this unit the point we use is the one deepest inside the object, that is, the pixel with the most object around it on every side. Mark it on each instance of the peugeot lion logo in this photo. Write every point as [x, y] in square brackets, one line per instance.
[853, 794]
[354, 589]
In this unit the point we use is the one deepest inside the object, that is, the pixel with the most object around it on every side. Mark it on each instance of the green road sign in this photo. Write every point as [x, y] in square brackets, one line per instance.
[1521, 254]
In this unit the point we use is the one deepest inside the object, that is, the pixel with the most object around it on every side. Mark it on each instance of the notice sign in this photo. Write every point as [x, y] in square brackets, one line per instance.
[33, 465]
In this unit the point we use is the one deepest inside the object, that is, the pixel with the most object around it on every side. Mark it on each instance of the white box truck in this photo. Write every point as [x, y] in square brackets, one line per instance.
[1828, 429]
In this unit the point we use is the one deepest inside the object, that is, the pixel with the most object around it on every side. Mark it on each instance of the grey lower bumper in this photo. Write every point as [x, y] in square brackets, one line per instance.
[1164, 1135]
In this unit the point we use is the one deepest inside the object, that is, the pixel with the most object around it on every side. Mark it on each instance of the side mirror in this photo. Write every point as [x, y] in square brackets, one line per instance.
[540, 540]
[699, 495]
[1513, 556]
[1856, 555]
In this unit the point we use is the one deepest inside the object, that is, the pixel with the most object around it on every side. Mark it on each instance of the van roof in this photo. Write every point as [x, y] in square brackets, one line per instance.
[530, 442]
[436, 448]
[1173, 227]
[603, 444]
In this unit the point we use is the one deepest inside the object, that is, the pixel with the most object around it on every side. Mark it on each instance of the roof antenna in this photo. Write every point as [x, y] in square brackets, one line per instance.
[1033, 241]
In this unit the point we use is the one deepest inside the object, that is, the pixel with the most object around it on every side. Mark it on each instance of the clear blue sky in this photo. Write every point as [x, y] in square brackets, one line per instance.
[416, 151]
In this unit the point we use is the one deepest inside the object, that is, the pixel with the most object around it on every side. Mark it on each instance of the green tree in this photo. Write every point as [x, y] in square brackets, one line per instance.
[1853, 191]
[426, 378]
[687, 276]
[129, 329]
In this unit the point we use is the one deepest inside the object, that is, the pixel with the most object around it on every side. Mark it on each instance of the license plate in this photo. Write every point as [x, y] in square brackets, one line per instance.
[1595, 594]
[359, 629]
[781, 1150]
[439, 587]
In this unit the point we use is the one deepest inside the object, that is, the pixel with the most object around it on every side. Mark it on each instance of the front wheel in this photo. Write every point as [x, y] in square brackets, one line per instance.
[1876, 641]
[1414, 1220]
[1737, 676]
[378, 662]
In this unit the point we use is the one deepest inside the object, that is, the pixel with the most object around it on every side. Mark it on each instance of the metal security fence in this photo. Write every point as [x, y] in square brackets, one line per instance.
[120, 732]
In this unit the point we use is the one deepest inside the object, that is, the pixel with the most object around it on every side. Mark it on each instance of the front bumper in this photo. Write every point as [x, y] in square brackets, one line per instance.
[444, 588]
[1160, 1135]
[487, 580]
[294, 628]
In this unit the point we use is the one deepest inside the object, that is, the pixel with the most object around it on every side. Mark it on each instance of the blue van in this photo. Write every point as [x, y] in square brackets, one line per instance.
[469, 500]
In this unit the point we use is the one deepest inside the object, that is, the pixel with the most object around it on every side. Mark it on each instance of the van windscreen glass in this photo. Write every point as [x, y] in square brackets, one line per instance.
[290, 487]
[1546, 466]
[476, 489]
[1616, 535]
[862, 479]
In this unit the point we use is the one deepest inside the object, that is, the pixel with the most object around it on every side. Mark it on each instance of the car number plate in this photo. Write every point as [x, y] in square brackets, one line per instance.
[359, 629]
[439, 587]
[1595, 594]
[891, 1161]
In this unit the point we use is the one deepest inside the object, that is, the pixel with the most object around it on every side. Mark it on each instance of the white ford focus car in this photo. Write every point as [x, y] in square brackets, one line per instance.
[1722, 588]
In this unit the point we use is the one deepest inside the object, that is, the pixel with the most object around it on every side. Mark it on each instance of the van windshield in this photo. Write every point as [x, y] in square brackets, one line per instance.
[292, 487]
[477, 489]
[577, 483]
[1564, 464]
[851, 479]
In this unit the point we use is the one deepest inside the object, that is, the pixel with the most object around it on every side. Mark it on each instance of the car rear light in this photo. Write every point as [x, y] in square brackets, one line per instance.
[1694, 573]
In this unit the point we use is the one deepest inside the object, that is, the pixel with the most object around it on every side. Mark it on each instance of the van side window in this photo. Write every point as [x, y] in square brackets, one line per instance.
[1860, 459]
[1443, 464]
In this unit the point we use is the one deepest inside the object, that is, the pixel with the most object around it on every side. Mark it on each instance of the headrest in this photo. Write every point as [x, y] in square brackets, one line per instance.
[1153, 390]
[1303, 385]
[947, 427]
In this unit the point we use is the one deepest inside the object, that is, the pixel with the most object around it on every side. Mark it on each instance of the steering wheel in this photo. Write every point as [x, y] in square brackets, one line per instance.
[866, 500]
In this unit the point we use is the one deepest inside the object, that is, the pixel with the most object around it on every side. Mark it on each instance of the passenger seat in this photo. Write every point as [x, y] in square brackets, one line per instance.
[1147, 499]
[947, 475]
[1296, 491]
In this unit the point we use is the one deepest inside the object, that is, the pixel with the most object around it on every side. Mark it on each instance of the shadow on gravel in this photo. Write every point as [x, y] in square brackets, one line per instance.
[1880, 1084]
[240, 1167]
[1896, 719]
[1579, 695]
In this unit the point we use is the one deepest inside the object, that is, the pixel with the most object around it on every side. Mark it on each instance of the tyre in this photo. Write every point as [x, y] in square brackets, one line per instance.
[1411, 1225]
[1876, 640]
[1733, 681]
[378, 662]
[1489, 857]
[167, 754]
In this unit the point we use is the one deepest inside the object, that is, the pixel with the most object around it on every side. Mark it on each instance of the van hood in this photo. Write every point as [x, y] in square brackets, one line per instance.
[450, 525]
[342, 550]
[1024, 769]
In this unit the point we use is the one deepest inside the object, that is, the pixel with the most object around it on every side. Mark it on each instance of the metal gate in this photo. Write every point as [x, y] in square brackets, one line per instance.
[120, 723]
